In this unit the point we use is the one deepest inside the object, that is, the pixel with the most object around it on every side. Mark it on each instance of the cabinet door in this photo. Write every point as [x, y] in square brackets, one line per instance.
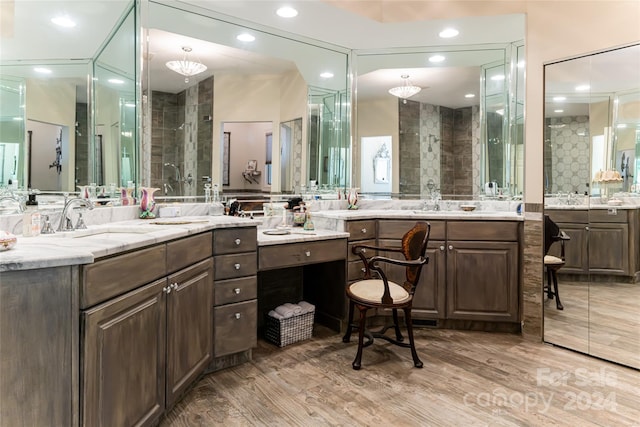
[429, 299]
[575, 250]
[482, 281]
[123, 359]
[609, 248]
[189, 327]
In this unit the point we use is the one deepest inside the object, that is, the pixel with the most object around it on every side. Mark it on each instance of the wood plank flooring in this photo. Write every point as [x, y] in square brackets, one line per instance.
[601, 319]
[468, 379]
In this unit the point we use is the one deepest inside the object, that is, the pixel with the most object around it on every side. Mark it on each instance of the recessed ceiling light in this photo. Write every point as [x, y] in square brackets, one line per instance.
[622, 125]
[559, 98]
[326, 75]
[245, 37]
[116, 81]
[582, 88]
[498, 77]
[42, 70]
[64, 21]
[436, 58]
[558, 111]
[287, 12]
[447, 33]
[470, 95]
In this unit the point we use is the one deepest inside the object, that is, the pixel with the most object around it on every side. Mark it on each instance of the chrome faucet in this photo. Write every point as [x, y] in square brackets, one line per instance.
[65, 221]
[14, 198]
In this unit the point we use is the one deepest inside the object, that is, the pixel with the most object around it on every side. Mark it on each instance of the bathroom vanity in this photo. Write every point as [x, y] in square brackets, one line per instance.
[109, 326]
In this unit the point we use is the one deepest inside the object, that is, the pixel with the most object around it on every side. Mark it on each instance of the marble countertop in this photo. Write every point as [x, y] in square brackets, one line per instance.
[84, 246]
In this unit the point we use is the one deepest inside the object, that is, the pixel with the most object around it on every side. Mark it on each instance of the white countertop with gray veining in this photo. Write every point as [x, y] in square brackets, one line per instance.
[296, 235]
[418, 214]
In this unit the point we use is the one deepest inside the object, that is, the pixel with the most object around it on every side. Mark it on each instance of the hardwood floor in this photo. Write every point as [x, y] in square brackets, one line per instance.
[468, 379]
[601, 319]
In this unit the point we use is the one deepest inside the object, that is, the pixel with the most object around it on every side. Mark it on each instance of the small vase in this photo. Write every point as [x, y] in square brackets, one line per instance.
[147, 202]
[352, 198]
[84, 192]
[126, 196]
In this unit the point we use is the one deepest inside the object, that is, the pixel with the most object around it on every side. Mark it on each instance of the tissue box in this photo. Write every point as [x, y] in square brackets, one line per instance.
[287, 331]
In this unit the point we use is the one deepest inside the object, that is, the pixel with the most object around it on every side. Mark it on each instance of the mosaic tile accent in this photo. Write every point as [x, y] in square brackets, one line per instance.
[297, 153]
[429, 147]
[476, 150]
[567, 144]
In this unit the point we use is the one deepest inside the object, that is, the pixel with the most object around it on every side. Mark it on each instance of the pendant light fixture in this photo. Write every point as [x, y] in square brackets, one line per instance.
[186, 67]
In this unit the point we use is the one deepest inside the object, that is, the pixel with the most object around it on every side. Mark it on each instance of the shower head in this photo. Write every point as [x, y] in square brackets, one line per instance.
[181, 127]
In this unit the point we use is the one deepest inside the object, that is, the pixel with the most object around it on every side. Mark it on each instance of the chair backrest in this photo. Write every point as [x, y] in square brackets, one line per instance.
[414, 246]
[551, 233]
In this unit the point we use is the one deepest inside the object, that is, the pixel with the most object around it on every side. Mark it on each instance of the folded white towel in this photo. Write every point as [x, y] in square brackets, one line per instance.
[284, 311]
[276, 315]
[295, 307]
[307, 307]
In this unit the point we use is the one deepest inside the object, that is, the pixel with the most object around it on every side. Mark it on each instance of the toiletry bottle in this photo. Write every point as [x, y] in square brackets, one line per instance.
[31, 218]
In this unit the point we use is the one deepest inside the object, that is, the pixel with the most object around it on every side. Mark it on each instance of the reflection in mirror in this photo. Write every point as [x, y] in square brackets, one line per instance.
[274, 79]
[592, 138]
[461, 123]
[54, 91]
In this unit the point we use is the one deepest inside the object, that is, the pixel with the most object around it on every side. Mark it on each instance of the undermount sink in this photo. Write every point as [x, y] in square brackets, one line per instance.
[110, 231]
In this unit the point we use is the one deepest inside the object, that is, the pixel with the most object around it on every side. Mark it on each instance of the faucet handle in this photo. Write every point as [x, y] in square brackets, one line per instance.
[47, 228]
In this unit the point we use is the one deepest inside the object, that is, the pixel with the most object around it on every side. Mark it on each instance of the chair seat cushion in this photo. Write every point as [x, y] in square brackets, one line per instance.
[371, 290]
[552, 260]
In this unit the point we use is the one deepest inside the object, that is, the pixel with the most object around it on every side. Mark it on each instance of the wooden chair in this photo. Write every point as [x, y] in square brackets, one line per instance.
[552, 264]
[376, 291]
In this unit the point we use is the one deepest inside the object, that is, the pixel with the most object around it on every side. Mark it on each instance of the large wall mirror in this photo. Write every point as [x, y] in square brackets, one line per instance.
[591, 166]
[48, 141]
[237, 112]
[461, 135]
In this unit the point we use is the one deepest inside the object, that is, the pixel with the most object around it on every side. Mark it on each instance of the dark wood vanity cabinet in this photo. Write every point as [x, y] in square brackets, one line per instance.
[472, 272]
[235, 304]
[603, 241]
[141, 349]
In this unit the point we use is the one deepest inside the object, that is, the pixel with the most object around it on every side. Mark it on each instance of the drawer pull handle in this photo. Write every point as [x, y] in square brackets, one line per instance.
[442, 248]
[236, 291]
[450, 247]
[167, 289]
[307, 253]
[364, 230]
[238, 242]
[237, 315]
[237, 266]
[175, 286]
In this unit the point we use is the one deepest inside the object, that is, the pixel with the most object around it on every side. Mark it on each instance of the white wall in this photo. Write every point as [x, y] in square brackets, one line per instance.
[248, 142]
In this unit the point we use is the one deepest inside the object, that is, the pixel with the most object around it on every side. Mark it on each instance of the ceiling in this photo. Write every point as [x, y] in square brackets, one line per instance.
[33, 37]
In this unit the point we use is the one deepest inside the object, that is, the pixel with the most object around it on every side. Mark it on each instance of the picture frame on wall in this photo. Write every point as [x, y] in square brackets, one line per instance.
[226, 148]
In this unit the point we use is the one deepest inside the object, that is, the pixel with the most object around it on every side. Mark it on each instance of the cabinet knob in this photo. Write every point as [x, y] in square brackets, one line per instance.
[450, 247]
[238, 241]
[364, 270]
[442, 247]
[174, 286]
[236, 291]
[237, 266]
[586, 228]
[167, 289]
[307, 253]
[364, 230]
[364, 251]
[237, 315]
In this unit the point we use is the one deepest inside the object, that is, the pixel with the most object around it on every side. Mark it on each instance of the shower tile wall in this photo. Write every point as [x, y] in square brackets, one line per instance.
[409, 147]
[462, 152]
[190, 139]
[82, 146]
[164, 146]
[476, 150]
[447, 181]
[205, 132]
[429, 148]
[297, 153]
[567, 149]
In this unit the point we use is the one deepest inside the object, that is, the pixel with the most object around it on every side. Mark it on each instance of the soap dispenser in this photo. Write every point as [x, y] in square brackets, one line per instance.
[31, 217]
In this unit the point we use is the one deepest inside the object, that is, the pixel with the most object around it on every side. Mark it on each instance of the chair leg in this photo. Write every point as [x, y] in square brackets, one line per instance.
[549, 281]
[347, 334]
[559, 305]
[363, 317]
[407, 317]
[396, 326]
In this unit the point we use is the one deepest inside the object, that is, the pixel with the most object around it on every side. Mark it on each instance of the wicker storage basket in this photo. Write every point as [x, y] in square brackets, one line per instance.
[287, 331]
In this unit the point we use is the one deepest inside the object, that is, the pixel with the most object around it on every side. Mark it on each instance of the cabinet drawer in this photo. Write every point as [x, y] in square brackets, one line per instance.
[187, 251]
[483, 230]
[360, 230]
[395, 229]
[234, 240]
[367, 252]
[606, 215]
[235, 327]
[355, 270]
[236, 265]
[574, 216]
[235, 290]
[110, 277]
[293, 254]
